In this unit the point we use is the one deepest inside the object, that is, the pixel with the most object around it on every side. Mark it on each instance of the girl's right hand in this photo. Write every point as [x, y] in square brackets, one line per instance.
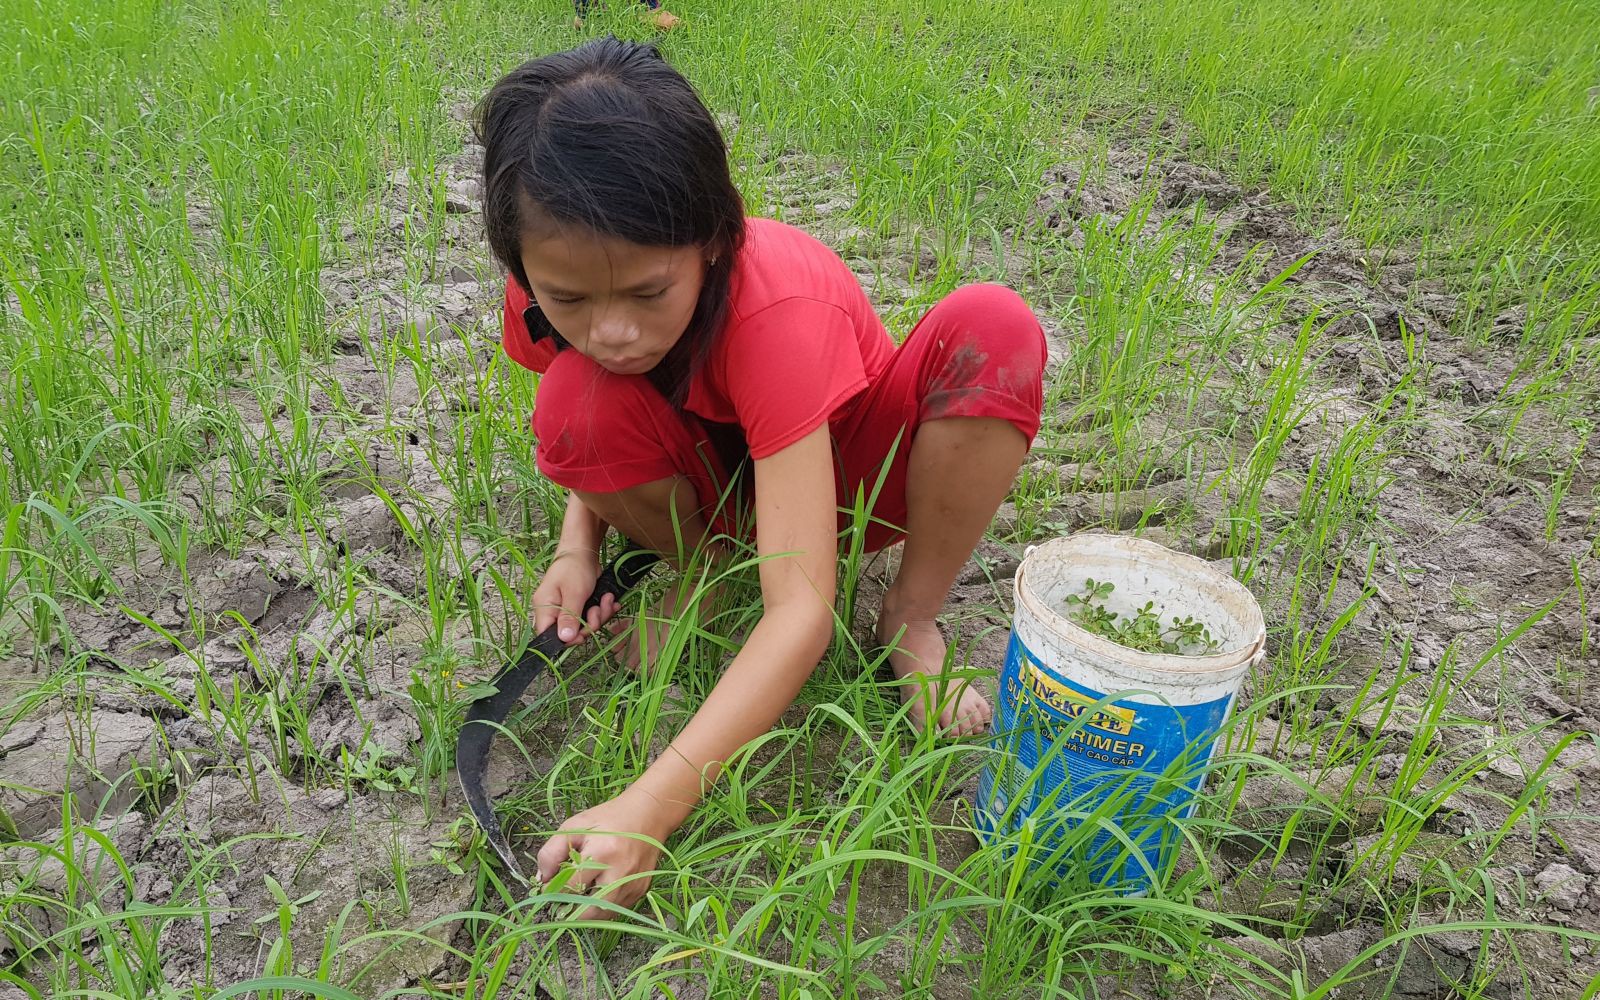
[561, 595]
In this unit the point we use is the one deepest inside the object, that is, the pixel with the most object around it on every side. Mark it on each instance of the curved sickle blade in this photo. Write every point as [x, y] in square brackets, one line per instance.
[486, 714]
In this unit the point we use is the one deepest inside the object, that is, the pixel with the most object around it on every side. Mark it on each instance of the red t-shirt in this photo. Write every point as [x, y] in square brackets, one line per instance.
[801, 340]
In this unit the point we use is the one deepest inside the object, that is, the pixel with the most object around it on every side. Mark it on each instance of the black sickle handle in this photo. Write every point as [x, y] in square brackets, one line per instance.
[621, 576]
[486, 714]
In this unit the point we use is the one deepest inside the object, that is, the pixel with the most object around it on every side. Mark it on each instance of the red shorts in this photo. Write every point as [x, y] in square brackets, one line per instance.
[979, 353]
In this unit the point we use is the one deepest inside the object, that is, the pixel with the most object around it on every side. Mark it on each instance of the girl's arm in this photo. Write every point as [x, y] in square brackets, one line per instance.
[581, 529]
[796, 536]
[795, 532]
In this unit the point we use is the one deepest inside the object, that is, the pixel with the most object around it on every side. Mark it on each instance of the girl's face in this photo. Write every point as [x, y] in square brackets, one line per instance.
[622, 304]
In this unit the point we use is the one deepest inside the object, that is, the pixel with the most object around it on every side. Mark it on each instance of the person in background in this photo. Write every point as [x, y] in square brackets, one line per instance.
[662, 18]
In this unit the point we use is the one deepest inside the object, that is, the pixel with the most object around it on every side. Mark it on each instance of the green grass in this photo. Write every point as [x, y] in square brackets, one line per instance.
[209, 272]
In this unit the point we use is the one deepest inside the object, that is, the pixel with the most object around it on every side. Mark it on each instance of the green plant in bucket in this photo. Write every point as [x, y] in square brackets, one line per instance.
[1142, 631]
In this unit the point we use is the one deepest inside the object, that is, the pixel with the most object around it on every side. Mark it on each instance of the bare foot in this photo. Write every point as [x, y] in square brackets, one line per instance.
[918, 660]
[665, 20]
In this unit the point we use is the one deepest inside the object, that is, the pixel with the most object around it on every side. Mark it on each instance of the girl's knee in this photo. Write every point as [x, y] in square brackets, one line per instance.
[600, 431]
[998, 324]
[985, 299]
[987, 358]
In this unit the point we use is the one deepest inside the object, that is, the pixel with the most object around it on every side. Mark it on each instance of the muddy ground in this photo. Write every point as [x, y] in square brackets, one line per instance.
[175, 793]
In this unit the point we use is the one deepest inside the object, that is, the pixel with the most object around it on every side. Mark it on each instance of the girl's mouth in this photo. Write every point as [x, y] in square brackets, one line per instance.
[628, 366]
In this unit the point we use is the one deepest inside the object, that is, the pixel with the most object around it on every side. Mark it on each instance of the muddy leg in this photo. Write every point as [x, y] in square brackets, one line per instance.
[960, 470]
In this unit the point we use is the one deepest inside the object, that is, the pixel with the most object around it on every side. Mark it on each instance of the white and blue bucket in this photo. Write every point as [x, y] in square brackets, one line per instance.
[1088, 731]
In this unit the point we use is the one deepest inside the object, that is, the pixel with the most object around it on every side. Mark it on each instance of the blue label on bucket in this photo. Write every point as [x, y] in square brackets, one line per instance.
[1068, 753]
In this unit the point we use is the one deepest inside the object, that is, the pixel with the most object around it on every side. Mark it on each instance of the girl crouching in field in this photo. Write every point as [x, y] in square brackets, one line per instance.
[674, 337]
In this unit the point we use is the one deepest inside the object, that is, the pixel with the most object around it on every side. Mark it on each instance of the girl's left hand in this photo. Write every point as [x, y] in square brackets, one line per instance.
[632, 828]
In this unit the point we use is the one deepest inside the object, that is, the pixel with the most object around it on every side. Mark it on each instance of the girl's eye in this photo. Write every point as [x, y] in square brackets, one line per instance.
[564, 302]
[652, 295]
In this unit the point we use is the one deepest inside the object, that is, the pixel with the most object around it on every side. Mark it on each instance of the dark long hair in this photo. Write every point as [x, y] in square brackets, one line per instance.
[609, 136]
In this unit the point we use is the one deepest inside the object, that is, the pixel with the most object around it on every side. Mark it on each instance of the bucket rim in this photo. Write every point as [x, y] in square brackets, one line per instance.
[1240, 657]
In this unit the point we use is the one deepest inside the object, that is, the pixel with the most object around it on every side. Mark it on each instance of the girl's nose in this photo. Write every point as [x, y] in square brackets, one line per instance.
[613, 330]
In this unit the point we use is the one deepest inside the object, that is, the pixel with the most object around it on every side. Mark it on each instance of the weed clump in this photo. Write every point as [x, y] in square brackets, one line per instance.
[1142, 631]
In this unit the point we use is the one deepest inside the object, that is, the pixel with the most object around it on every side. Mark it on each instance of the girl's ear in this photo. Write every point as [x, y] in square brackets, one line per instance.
[539, 327]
